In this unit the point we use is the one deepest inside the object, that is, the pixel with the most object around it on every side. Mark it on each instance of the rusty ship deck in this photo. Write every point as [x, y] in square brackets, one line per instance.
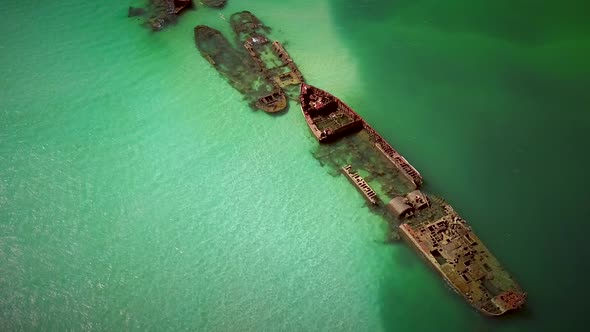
[391, 185]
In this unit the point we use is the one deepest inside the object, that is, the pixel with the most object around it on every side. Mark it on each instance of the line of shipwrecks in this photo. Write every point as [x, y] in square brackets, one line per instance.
[388, 182]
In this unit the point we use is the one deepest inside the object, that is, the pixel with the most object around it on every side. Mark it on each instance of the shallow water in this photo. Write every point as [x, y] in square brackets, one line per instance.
[139, 192]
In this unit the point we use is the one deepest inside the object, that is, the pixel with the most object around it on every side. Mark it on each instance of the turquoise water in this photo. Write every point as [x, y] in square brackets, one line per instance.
[138, 191]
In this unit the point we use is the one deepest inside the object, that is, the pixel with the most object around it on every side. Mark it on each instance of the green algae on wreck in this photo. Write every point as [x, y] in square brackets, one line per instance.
[160, 13]
[234, 65]
[271, 58]
[262, 71]
[429, 224]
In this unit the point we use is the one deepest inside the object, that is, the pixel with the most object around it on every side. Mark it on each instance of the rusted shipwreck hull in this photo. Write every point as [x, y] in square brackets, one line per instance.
[428, 224]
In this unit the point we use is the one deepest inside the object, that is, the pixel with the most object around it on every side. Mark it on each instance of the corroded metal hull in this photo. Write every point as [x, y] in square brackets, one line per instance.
[326, 134]
[473, 290]
[428, 224]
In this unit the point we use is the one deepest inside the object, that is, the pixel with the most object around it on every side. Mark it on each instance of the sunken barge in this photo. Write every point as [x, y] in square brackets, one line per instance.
[390, 185]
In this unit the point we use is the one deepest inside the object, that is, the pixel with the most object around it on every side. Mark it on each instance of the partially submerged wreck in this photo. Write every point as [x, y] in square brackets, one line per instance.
[265, 74]
[239, 70]
[262, 70]
[428, 224]
[160, 13]
[271, 58]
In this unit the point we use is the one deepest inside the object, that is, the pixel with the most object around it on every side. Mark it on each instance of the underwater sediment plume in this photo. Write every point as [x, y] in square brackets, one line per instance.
[261, 70]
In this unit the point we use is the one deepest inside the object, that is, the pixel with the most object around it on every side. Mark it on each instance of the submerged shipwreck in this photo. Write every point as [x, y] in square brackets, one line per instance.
[261, 70]
[264, 73]
[390, 185]
[160, 13]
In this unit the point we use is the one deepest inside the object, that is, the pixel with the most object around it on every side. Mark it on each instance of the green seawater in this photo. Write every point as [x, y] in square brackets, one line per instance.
[139, 192]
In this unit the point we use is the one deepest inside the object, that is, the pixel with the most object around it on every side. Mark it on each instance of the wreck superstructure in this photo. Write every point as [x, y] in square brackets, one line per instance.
[428, 224]
[330, 119]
